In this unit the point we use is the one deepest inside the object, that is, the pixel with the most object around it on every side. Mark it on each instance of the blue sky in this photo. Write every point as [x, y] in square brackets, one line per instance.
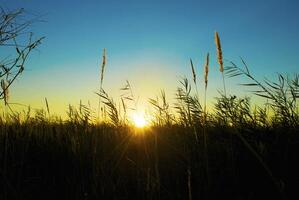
[150, 43]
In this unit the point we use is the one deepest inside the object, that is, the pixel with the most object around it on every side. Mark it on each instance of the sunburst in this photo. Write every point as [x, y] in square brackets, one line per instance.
[139, 120]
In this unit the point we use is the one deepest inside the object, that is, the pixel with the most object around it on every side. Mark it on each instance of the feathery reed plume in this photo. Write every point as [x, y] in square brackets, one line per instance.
[206, 71]
[219, 51]
[193, 71]
[194, 76]
[102, 78]
[220, 59]
[4, 87]
[103, 66]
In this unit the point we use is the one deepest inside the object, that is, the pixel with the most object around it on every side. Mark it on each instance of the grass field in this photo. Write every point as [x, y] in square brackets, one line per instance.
[237, 151]
[76, 160]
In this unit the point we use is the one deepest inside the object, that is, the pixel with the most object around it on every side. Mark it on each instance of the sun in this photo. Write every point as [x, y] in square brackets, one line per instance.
[139, 121]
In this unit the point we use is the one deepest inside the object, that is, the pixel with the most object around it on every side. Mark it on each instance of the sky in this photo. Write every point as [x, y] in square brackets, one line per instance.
[149, 43]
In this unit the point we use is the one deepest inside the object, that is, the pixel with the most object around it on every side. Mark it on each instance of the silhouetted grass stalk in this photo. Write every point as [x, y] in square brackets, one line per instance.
[206, 72]
[194, 77]
[102, 70]
[220, 59]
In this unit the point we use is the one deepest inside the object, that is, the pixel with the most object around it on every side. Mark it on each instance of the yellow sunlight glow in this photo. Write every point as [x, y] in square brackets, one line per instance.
[139, 121]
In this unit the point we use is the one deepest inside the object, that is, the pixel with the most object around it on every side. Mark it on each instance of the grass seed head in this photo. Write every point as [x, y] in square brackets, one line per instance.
[193, 71]
[206, 70]
[219, 51]
[103, 66]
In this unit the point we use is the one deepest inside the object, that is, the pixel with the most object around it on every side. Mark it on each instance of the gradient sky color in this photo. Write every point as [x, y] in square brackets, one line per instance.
[149, 43]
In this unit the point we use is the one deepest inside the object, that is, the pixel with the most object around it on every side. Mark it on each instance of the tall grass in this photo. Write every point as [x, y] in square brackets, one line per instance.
[237, 151]
[220, 59]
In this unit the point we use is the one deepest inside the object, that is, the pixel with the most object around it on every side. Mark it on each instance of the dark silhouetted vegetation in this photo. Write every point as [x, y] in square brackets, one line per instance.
[237, 151]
